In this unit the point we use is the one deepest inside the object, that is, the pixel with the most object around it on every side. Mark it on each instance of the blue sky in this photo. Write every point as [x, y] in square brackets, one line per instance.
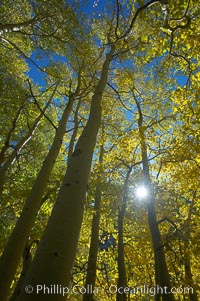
[92, 8]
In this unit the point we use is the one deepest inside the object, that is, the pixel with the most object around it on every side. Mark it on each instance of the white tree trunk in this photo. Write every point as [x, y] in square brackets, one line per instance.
[55, 256]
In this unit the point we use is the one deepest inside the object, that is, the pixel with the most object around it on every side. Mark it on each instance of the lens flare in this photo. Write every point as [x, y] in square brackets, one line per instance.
[141, 192]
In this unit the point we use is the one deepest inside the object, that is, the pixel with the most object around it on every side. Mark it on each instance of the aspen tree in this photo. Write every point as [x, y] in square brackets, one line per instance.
[55, 256]
[17, 241]
[94, 244]
[161, 272]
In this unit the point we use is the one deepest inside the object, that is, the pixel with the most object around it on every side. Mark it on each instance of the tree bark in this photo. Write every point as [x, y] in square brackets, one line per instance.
[188, 275]
[161, 271]
[94, 244]
[122, 279]
[55, 255]
[187, 258]
[27, 259]
[17, 241]
[74, 134]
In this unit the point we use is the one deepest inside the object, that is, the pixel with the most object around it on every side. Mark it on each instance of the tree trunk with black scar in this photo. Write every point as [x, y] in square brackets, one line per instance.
[27, 259]
[54, 258]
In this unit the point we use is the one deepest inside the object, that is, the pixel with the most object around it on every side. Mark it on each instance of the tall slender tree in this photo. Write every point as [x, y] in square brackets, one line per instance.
[60, 238]
[122, 277]
[161, 272]
[20, 234]
[94, 243]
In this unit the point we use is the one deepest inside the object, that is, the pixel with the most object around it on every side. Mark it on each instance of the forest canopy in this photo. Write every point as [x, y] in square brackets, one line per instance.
[99, 150]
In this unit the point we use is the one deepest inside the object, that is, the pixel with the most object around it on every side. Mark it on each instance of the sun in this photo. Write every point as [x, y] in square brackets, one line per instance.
[141, 192]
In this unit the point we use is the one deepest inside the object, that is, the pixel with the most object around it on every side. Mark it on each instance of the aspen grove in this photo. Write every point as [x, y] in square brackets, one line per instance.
[99, 150]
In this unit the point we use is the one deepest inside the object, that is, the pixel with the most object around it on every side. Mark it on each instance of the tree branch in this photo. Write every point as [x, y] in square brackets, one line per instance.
[37, 104]
[166, 219]
[135, 17]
